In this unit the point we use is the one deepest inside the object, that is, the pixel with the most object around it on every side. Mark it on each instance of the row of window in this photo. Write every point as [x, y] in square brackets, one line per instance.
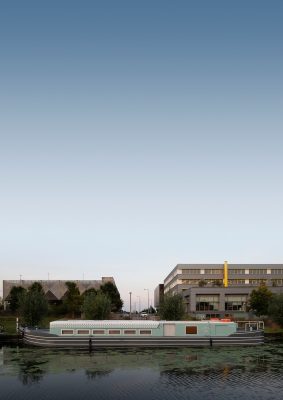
[106, 331]
[229, 306]
[211, 302]
[218, 282]
[209, 271]
[236, 271]
[190, 330]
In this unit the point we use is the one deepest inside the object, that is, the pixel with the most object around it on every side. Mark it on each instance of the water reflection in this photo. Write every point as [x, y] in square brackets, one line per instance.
[251, 372]
[93, 374]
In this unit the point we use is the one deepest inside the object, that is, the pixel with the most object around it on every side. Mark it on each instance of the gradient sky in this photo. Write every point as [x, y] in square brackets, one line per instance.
[136, 135]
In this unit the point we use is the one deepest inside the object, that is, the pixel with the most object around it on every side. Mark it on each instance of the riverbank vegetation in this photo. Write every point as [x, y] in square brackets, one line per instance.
[32, 308]
[172, 308]
[266, 304]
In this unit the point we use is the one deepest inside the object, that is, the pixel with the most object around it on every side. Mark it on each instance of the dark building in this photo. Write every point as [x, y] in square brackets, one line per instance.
[158, 295]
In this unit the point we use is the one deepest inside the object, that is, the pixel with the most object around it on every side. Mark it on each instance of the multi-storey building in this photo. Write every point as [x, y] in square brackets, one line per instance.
[221, 289]
[158, 295]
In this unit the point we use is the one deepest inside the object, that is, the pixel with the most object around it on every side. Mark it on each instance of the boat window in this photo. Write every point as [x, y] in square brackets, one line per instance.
[191, 330]
[145, 332]
[67, 332]
[114, 331]
[130, 331]
[83, 331]
[98, 332]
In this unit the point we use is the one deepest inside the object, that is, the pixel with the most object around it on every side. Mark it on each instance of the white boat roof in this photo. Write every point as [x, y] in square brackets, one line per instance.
[105, 323]
[125, 323]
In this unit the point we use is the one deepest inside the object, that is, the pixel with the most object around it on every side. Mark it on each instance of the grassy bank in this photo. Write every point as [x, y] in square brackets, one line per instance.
[276, 330]
[9, 324]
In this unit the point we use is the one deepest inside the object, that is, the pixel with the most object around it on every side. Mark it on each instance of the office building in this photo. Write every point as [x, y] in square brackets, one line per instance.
[217, 290]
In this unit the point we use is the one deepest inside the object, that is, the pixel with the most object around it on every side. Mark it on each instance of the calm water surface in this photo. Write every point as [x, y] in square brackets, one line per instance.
[213, 373]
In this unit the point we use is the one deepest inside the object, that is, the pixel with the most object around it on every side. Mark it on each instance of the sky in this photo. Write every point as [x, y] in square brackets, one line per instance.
[136, 135]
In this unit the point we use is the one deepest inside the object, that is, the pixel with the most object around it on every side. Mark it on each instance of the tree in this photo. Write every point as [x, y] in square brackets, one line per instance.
[14, 297]
[72, 299]
[275, 309]
[33, 304]
[112, 292]
[259, 300]
[172, 308]
[152, 310]
[202, 283]
[89, 291]
[89, 306]
[99, 306]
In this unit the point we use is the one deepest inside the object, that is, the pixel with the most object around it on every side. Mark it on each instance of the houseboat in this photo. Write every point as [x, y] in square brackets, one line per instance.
[119, 333]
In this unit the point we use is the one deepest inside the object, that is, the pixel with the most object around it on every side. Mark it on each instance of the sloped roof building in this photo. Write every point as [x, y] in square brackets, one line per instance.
[54, 290]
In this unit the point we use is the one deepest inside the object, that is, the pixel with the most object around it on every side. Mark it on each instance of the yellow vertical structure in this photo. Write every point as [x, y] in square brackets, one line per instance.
[225, 274]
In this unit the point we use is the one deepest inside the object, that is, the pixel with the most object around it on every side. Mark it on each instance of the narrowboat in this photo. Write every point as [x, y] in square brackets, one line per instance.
[138, 333]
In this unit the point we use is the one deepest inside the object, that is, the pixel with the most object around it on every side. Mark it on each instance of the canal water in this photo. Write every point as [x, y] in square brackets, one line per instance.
[212, 373]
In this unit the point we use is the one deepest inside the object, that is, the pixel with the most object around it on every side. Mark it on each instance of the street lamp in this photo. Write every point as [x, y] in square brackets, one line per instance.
[139, 297]
[147, 300]
[130, 293]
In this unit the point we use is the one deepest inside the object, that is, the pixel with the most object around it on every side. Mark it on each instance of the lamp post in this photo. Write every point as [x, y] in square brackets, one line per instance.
[130, 293]
[147, 300]
[139, 297]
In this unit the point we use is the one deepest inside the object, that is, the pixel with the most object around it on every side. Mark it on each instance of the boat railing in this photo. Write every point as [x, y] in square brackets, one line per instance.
[250, 325]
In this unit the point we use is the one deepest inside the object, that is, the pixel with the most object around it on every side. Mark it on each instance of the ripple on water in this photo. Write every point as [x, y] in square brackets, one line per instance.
[217, 373]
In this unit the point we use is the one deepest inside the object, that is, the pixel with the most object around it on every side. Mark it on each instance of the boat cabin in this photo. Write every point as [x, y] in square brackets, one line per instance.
[139, 328]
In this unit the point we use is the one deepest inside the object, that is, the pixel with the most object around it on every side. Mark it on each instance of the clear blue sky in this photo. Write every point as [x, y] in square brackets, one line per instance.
[136, 135]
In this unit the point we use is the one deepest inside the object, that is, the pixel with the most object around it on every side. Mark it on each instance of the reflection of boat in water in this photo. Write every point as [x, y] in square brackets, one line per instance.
[117, 333]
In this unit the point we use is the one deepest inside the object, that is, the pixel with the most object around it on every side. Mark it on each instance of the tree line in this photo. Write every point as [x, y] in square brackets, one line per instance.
[32, 306]
[265, 303]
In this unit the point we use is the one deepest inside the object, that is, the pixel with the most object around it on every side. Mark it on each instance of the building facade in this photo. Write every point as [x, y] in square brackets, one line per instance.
[158, 295]
[217, 290]
[54, 289]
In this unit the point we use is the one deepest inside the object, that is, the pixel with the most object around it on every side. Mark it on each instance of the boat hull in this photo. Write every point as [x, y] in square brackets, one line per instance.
[44, 339]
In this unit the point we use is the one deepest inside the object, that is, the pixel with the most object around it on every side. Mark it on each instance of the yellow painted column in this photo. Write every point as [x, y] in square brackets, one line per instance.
[225, 274]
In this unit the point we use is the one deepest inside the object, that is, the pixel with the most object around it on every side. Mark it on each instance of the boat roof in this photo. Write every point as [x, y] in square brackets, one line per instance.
[125, 323]
[107, 323]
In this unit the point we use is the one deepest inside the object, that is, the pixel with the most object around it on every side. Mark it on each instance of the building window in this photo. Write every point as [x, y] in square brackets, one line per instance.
[257, 271]
[277, 282]
[276, 271]
[236, 302]
[67, 332]
[98, 332]
[236, 271]
[207, 302]
[190, 281]
[83, 331]
[145, 331]
[236, 282]
[257, 282]
[191, 271]
[114, 331]
[130, 332]
[191, 330]
[212, 271]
